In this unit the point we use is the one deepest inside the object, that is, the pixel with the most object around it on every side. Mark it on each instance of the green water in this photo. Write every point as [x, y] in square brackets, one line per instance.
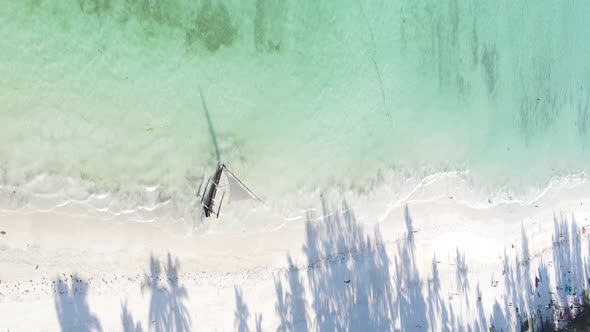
[103, 95]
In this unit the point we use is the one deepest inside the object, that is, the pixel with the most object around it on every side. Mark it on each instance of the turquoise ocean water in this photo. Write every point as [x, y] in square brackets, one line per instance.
[100, 106]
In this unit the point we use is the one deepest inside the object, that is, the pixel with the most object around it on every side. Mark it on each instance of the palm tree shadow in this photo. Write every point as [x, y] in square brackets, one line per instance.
[242, 314]
[291, 306]
[178, 294]
[127, 320]
[167, 311]
[71, 305]
[348, 274]
[437, 307]
[350, 280]
[259, 323]
[158, 318]
[412, 304]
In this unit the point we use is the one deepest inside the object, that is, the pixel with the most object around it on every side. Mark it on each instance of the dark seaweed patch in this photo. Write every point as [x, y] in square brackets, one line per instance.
[94, 6]
[212, 27]
[268, 22]
[583, 115]
[489, 60]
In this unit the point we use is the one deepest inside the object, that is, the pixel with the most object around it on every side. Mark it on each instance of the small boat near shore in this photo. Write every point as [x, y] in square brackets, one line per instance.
[221, 182]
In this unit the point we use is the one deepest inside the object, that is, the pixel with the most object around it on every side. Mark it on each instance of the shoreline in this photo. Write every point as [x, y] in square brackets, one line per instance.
[376, 200]
[478, 258]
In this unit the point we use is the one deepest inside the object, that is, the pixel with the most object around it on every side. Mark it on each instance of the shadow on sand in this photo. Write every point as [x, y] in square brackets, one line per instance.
[242, 314]
[352, 283]
[71, 304]
[349, 282]
[129, 324]
[550, 292]
[167, 310]
[353, 280]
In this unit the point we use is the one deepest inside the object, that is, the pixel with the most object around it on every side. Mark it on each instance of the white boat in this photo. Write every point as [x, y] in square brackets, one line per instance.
[236, 189]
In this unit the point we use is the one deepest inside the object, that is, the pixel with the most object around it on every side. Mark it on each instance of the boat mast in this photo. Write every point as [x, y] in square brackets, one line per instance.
[208, 206]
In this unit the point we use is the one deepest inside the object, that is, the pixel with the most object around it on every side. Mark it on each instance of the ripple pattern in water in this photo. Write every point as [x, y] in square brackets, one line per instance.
[301, 94]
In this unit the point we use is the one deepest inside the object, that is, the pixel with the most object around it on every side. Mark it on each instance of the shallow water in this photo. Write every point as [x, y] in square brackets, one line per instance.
[100, 101]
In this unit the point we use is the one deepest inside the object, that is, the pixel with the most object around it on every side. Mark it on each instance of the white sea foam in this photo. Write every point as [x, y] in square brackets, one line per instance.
[153, 204]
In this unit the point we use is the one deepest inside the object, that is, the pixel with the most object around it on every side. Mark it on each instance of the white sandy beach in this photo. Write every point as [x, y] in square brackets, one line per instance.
[428, 266]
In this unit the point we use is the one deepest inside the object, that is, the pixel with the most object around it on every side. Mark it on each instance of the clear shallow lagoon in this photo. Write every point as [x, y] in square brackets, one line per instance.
[100, 104]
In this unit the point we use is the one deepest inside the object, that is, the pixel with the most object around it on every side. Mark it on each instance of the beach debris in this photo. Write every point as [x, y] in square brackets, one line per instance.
[37, 267]
[3, 232]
